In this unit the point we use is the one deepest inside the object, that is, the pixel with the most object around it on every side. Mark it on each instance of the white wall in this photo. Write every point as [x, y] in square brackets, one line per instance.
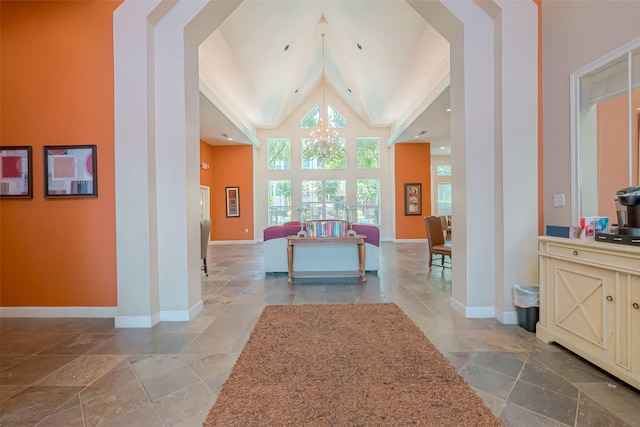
[574, 34]
[356, 128]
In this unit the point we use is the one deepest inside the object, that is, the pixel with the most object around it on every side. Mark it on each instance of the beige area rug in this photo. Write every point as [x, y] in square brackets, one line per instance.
[344, 365]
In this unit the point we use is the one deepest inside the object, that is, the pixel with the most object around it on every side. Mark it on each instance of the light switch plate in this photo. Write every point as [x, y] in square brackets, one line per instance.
[558, 200]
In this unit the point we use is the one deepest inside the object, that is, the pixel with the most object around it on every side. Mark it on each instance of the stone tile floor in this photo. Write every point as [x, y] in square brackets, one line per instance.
[85, 372]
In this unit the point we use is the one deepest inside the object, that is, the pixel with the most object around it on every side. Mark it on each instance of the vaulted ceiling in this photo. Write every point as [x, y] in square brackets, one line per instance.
[381, 57]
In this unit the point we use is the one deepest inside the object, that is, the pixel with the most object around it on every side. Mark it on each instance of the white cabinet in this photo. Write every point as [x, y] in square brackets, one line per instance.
[590, 302]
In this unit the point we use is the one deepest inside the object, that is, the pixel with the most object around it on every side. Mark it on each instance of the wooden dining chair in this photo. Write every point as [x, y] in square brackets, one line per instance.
[437, 246]
[205, 228]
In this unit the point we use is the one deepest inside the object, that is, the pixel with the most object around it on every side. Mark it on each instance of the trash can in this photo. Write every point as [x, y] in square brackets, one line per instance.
[526, 298]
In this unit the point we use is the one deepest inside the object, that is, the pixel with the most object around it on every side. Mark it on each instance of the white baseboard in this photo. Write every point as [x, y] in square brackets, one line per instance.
[507, 317]
[233, 242]
[408, 240]
[87, 312]
[137, 321]
[484, 312]
[181, 315]
[164, 316]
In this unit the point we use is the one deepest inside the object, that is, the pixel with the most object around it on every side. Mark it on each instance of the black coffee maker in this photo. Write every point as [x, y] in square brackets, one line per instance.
[628, 209]
[627, 231]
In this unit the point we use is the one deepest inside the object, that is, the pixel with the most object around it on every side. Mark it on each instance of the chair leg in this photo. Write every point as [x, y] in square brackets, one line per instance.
[204, 260]
[430, 261]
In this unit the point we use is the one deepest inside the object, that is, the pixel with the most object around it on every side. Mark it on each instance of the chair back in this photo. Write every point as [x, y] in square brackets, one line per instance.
[205, 227]
[434, 230]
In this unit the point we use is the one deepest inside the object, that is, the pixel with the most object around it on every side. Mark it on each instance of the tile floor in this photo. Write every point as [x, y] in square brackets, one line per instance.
[85, 372]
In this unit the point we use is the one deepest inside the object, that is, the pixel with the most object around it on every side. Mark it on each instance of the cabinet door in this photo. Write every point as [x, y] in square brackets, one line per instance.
[584, 310]
[628, 314]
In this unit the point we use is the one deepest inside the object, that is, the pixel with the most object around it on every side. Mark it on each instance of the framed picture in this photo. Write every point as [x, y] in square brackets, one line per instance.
[16, 179]
[70, 171]
[233, 201]
[413, 199]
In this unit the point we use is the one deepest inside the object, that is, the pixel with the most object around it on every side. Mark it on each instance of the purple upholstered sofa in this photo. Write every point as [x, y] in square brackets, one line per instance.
[318, 258]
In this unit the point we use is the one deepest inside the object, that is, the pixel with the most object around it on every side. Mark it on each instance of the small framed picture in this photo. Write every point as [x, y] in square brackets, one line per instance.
[16, 179]
[70, 171]
[413, 199]
[233, 201]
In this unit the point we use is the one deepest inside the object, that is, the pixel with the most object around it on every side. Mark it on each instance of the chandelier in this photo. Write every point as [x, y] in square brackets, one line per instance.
[324, 139]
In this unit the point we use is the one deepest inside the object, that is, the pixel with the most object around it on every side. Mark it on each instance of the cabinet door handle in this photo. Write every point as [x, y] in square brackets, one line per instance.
[636, 306]
[609, 298]
[575, 252]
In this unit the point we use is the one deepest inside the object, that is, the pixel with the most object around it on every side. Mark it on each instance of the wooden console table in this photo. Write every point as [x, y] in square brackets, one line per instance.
[358, 239]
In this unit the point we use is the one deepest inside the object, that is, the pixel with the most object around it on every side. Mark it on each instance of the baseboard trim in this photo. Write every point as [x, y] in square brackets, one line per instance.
[483, 312]
[88, 312]
[181, 315]
[507, 317]
[162, 316]
[408, 240]
[137, 321]
[233, 242]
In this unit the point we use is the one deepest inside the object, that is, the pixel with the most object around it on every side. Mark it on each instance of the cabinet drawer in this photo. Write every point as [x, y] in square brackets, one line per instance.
[588, 255]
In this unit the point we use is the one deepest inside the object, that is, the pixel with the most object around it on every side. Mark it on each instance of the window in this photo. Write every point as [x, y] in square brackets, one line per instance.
[311, 119]
[324, 199]
[368, 203]
[368, 153]
[279, 202]
[443, 170]
[444, 198]
[323, 156]
[279, 153]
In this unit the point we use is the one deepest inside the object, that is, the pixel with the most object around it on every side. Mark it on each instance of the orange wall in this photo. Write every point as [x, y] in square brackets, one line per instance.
[412, 164]
[231, 166]
[57, 88]
[613, 150]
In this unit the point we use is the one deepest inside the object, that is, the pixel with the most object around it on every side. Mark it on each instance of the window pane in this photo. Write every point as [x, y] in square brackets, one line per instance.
[279, 202]
[324, 155]
[310, 121]
[368, 203]
[324, 199]
[279, 153]
[368, 153]
[444, 198]
[444, 170]
[335, 119]
[335, 199]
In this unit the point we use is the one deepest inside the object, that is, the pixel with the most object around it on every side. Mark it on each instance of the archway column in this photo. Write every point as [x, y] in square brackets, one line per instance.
[494, 149]
[157, 156]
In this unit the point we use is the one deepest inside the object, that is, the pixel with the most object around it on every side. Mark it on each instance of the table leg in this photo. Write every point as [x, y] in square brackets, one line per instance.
[290, 262]
[361, 260]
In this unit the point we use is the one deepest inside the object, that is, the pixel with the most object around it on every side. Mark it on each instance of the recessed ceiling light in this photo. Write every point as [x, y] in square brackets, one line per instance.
[349, 89]
[296, 90]
[286, 48]
[227, 136]
[359, 46]
[442, 148]
[448, 110]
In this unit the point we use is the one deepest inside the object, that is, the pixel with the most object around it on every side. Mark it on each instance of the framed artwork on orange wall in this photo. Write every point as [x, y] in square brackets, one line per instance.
[16, 179]
[413, 198]
[70, 171]
[233, 201]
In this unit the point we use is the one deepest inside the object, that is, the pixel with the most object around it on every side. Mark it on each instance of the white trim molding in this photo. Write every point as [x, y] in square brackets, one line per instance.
[485, 312]
[87, 312]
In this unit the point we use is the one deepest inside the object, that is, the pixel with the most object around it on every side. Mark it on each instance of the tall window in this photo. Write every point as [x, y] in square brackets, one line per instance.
[444, 198]
[324, 199]
[368, 153]
[368, 203]
[279, 201]
[279, 153]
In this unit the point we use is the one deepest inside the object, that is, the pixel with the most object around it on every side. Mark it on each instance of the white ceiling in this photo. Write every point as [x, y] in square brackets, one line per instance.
[381, 57]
